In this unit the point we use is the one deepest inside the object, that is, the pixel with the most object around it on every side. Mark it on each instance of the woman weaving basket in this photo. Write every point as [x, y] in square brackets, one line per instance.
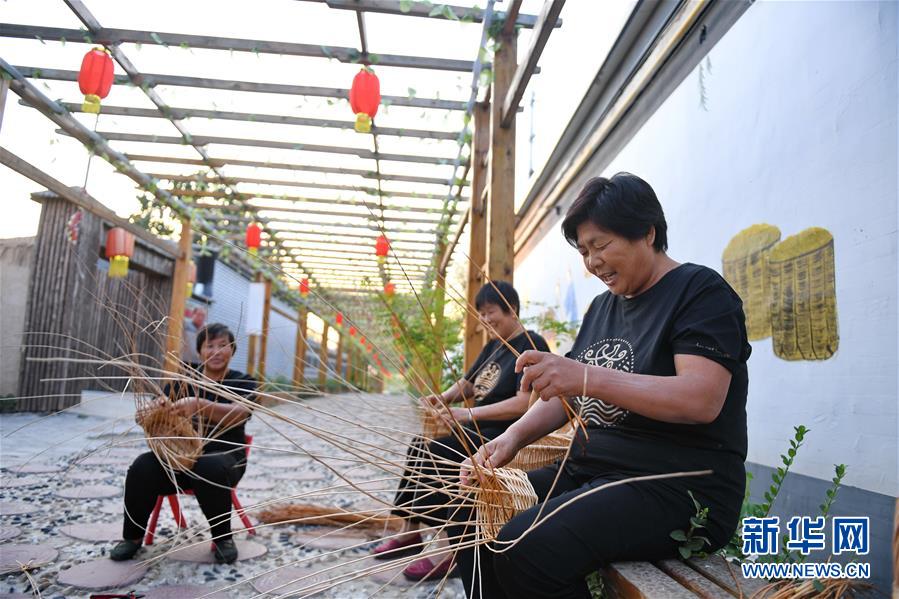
[658, 373]
[493, 385]
[222, 462]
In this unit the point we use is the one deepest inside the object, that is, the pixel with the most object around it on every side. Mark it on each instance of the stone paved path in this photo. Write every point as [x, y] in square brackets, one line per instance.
[61, 486]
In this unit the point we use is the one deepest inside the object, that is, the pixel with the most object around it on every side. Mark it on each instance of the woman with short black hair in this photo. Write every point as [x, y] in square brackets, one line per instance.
[658, 373]
[224, 456]
[492, 384]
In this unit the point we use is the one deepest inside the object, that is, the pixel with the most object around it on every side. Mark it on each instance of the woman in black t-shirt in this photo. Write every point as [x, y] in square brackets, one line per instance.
[658, 373]
[221, 423]
[493, 385]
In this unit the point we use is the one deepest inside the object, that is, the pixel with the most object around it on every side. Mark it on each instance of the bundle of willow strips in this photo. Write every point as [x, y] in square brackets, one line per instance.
[502, 493]
[543, 452]
[170, 436]
[317, 515]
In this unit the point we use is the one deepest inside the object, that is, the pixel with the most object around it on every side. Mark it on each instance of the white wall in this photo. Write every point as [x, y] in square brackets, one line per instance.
[798, 130]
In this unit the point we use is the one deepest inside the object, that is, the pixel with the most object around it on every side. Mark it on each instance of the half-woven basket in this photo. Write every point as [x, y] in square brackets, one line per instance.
[171, 436]
[502, 493]
[542, 452]
[432, 426]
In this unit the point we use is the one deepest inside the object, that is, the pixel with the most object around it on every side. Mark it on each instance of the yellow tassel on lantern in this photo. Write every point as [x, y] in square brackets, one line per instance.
[253, 251]
[190, 289]
[91, 104]
[363, 123]
[382, 259]
[118, 267]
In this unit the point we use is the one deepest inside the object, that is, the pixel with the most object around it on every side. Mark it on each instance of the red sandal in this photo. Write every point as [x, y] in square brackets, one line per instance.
[424, 569]
[394, 548]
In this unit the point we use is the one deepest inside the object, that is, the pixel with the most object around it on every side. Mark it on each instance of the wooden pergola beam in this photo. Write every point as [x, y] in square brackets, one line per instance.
[184, 113]
[331, 187]
[359, 240]
[416, 9]
[368, 174]
[549, 16]
[306, 211]
[413, 258]
[151, 80]
[203, 140]
[112, 36]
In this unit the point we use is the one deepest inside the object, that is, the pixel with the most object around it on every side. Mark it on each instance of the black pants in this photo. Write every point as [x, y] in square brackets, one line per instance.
[419, 496]
[210, 479]
[628, 522]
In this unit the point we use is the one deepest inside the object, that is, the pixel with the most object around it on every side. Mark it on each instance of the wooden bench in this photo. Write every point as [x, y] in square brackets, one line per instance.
[710, 578]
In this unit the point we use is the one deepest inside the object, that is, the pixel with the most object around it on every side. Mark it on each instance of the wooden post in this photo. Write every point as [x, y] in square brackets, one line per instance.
[477, 228]
[263, 342]
[4, 87]
[501, 201]
[339, 365]
[252, 342]
[323, 358]
[299, 351]
[436, 365]
[179, 300]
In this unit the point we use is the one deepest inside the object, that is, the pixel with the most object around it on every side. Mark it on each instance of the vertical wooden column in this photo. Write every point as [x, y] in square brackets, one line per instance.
[263, 341]
[179, 299]
[351, 365]
[4, 87]
[252, 342]
[437, 364]
[477, 229]
[323, 358]
[339, 365]
[299, 351]
[501, 201]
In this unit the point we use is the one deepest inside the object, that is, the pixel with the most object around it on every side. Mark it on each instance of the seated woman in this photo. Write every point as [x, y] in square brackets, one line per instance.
[493, 385]
[224, 458]
[658, 373]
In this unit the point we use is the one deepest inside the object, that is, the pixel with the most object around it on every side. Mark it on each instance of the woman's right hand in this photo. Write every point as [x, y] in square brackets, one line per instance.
[493, 454]
[431, 402]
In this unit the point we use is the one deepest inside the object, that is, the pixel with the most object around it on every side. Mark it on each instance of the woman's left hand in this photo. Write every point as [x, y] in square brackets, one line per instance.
[550, 375]
[453, 415]
[188, 406]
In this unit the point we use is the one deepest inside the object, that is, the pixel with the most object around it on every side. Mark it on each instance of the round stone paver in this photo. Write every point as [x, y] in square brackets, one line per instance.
[282, 463]
[89, 492]
[255, 484]
[35, 469]
[182, 591]
[89, 475]
[330, 541]
[102, 573]
[28, 555]
[290, 580]
[94, 531]
[391, 573]
[301, 475]
[21, 482]
[201, 553]
[14, 508]
[9, 532]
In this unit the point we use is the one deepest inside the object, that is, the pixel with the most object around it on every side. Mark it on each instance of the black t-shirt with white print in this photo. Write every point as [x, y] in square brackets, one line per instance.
[690, 310]
[493, 372]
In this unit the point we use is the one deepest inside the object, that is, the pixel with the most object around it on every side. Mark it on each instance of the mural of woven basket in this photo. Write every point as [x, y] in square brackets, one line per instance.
[502, 494]
[170, 436]
[803, 296]
[543, 452]
[745, 267]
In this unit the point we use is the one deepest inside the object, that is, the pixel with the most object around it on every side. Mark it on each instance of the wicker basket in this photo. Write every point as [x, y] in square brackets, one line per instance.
[433, 426]
[542, 452]
[502, 494]
[803, 299]
[170, 436]
[745, 266]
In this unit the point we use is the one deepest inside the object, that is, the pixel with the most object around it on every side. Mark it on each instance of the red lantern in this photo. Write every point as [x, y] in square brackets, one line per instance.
[352, 331]
[95, 78]
[254, 238]
[119, 249]
[304, 288]
[365, 96]
[191, 277]
[340, 319]
[382, 246]
[362, 340]
[389, 290]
